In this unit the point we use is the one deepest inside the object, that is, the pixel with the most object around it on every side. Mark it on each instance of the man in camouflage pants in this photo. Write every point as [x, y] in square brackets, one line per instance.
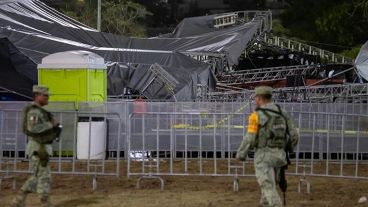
[270, 129]
[39, 125]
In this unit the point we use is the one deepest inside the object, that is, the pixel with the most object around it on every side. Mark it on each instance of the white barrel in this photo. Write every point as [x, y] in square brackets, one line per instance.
[96, 141]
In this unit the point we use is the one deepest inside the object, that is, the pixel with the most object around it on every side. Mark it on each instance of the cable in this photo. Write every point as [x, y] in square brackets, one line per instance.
[19, 94]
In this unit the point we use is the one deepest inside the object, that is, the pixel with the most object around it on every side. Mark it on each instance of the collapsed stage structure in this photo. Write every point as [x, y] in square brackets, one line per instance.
[214, 57]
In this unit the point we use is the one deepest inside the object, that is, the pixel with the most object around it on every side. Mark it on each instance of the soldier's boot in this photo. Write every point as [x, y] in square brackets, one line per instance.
[45, 202]
[19, 200]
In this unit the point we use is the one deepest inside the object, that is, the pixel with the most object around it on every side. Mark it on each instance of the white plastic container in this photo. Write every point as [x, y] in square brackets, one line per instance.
[96, 140]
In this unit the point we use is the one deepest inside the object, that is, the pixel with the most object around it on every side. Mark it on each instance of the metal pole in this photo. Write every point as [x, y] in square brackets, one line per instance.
[186, 144]
[229, 153]
[171, 143]
[118, 148]
[357, 149]
[144, 144]
[298, 147]
[75, 141]
[200, 146]
[2, 120]
[60, 145]
[328, 145]
[89, 141]
[313, 142]
[99, 15]
[128, 138]
[16, 141]
[214, 144]
[157, 143]
[343, 119]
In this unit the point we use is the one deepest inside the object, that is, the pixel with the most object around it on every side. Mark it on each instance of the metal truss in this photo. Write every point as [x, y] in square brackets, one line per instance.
[324, 93]
[262, 38]
[319, 94]
[161, 78]
[293, 45]
[230, 96]
[218, 60]
[225, 20]
[241, 17]
[267, 74]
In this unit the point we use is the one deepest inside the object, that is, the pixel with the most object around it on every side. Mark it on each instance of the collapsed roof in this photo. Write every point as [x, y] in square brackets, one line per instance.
[37, 30]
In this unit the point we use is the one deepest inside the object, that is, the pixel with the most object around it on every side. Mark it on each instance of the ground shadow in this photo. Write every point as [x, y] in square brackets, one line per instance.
[80, 201]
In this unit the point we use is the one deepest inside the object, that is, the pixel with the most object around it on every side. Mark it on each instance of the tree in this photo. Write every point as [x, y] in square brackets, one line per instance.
[363, 5]
[335, 25]
[122, 17]
[82, 11]
[239, 5]
[160, 13]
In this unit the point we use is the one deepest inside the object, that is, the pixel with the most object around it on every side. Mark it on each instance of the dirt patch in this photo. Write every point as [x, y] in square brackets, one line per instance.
[188, 191]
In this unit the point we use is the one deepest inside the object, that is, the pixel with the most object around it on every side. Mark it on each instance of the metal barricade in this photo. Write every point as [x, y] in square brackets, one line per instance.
[331, 144]
[8, 146]
[197, 139]
[175, 143]
[182, 144]
[67, 158]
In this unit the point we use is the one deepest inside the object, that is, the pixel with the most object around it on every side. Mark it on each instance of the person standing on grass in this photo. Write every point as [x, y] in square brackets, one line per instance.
[270, 130]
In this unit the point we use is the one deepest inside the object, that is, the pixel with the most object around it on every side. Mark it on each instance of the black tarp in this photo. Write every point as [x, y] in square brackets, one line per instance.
[192, 34]
[18, 73]
[120, 72]
[38, 30]
[193, 26]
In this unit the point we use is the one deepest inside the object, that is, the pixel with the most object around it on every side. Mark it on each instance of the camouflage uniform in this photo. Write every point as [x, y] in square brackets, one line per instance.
[39, 182]
[268, 157]
[38, 126]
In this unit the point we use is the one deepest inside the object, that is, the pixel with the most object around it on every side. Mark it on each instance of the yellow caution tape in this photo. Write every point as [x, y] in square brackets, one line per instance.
[221, 124]
[218, 124]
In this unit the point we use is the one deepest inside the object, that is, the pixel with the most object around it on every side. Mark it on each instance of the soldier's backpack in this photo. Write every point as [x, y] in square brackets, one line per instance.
[276, 128]
[277, 131]
[45, 137]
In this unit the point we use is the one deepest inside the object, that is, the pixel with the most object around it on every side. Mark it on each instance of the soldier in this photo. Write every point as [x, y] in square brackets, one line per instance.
[270, 129]
[39, 126]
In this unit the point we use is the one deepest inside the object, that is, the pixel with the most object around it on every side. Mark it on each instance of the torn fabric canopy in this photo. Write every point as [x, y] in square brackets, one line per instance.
[361, 62]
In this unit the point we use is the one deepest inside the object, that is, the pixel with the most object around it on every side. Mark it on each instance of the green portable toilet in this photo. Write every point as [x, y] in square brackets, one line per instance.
[75, 76]
[78, 76]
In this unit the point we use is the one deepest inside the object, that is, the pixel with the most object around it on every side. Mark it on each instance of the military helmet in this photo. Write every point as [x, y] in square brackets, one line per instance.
[41, 89]
[263, 90]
